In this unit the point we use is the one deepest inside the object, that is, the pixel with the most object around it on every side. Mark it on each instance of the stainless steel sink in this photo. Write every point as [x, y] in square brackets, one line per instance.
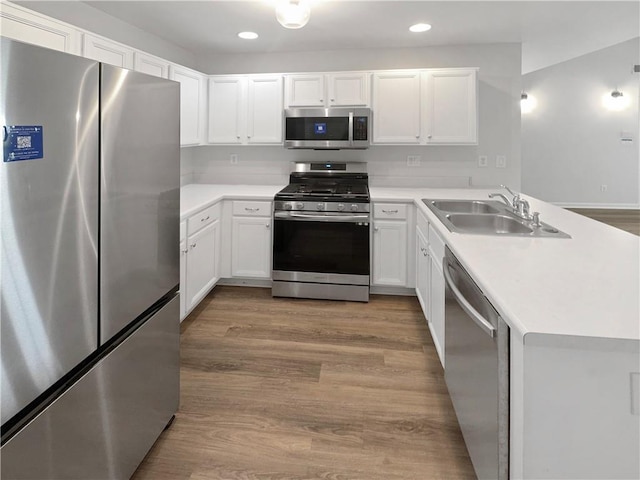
[488, 224]
[466, 206]
[487, 217]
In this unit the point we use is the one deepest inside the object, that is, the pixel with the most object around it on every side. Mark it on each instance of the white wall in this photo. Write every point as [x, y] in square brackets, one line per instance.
[86, 17]
[571, 144]
[499, 120]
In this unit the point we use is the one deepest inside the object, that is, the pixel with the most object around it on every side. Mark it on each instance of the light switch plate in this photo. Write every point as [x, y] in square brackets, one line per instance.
[482, 161]
[501, 161]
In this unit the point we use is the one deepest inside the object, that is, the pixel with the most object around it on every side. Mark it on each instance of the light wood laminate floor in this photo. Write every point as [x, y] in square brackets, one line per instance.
[628, 220]
[308, 389]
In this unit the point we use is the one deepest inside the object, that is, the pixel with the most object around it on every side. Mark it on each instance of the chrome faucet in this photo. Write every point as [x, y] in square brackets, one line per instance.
[519, 205]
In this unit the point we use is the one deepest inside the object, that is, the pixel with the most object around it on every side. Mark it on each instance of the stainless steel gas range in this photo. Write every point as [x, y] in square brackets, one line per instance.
[321, 233]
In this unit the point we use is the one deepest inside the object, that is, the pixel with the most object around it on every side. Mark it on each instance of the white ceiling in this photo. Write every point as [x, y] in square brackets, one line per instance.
[550, 31]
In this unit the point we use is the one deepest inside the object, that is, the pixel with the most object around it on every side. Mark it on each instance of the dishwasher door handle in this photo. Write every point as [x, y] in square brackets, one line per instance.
[466, 306]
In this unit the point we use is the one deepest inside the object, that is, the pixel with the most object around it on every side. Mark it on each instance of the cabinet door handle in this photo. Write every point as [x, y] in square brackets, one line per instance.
[322, 100]
[418, 136]
[252, 209]
[428, 136]
[186, 250]
[267, 225]
[193, 245]
[375, 229]
[205, 219]
[389, 211]
[333, 99]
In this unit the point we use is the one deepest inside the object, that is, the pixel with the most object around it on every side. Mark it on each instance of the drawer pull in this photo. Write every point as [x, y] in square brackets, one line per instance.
[193, 245]
[205, 219]
[389, 211]
[252, 209]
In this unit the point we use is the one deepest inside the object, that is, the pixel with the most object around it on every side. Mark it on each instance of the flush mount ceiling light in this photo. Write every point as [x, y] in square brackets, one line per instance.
[248, 35]
[420, 27]
[293, 13]
[616, 101]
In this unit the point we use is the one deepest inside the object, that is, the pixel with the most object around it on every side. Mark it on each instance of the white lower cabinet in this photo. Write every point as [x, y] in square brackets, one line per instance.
[390, 237]
[436, 307]
[423, 272]
[183, 269]
[430, 286]
[251, 240]
[202, 263]
[199, 257]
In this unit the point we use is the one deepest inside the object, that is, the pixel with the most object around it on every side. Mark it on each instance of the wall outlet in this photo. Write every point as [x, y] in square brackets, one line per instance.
[482, 161]
[604, 188]
[501, 161]
[413, 160]
[233, 159]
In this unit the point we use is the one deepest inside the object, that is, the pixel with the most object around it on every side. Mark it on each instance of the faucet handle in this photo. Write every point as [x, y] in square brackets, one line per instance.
[535, 218]
[510, 191]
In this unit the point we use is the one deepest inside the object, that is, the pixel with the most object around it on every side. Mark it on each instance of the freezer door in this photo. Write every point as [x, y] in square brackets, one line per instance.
[48, 219]
[140, 195]
[104, 425]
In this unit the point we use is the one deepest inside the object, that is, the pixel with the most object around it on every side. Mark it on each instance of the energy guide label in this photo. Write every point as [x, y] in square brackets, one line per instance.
[22, 142]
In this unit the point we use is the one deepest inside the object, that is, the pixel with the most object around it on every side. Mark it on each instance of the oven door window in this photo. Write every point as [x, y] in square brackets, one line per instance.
[326, 247]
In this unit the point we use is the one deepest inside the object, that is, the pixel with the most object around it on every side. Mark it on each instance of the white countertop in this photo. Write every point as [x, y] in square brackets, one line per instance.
[195, 197]
[586, 286]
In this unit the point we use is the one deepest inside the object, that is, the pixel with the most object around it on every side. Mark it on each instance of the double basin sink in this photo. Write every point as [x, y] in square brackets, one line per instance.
[487, 217]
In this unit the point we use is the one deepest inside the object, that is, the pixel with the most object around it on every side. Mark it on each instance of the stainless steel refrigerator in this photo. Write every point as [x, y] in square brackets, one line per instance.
[89, 204]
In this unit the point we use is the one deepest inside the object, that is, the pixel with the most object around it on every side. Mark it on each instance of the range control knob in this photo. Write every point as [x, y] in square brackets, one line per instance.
[354, 207]
[288, 206]
[340, 207]
[320, 206]
[299, 205]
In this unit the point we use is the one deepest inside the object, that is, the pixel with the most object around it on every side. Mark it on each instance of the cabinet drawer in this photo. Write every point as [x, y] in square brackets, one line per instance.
[203, 218]
[390, 211]
[251, 208]
[436, 245]
[423, 225]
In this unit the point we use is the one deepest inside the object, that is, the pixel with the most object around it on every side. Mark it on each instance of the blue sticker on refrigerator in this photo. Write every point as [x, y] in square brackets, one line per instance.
[22, 142]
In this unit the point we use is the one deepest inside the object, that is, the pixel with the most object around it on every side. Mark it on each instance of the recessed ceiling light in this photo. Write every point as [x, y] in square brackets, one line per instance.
[248, 35]
[420, 27]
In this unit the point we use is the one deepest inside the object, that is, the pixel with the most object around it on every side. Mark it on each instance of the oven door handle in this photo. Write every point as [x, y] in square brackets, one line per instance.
[311, 217]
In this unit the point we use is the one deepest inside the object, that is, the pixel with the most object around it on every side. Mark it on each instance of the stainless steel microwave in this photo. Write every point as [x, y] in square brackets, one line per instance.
[327, 128]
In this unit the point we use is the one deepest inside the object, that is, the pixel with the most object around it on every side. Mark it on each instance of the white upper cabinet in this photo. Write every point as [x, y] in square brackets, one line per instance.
[264, 115]
[426, 107]
[396, 107]
[304, 91]
[27, 26]
[245, 109]
[107, 51]
[449, 106]
[348, 89]
[192, 103]
[145, 63]
[343, 89]
[227, 101]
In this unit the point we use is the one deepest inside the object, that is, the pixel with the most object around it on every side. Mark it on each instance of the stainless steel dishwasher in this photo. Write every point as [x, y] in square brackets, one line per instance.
[477, 371]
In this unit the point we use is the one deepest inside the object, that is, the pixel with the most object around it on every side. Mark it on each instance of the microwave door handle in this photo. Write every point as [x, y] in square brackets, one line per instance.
[351, 129]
